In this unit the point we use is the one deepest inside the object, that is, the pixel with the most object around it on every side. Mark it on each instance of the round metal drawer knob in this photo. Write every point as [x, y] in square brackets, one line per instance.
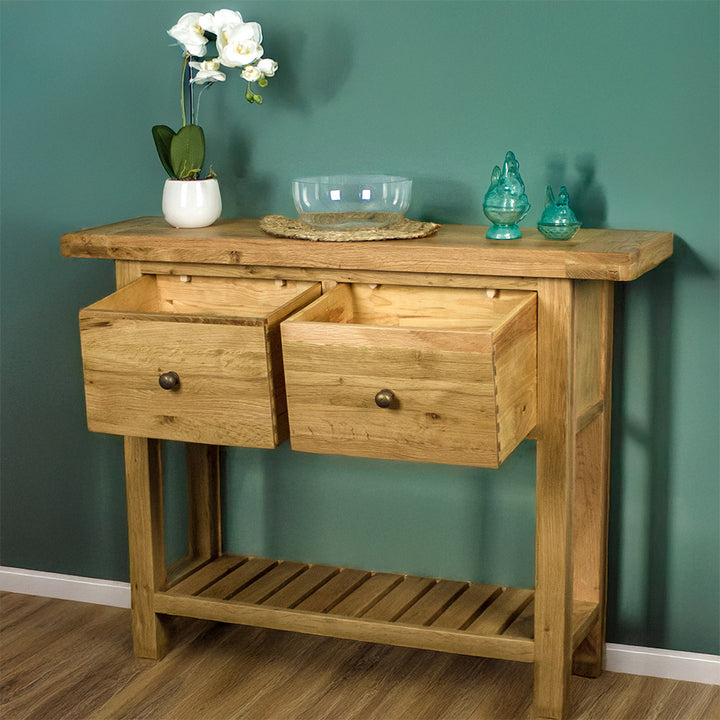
[384, 397]
[169, 380]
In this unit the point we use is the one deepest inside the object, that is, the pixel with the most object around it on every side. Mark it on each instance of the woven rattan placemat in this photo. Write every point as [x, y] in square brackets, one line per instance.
[404, 229]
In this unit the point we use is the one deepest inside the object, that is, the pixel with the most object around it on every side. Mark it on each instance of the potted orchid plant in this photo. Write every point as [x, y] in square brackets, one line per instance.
[182, 153]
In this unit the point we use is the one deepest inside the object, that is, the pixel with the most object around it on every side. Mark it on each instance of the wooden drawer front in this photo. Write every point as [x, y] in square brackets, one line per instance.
[461, 367]
[220, 336]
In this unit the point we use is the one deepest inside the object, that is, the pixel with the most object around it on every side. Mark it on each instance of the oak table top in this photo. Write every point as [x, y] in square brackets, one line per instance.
[593, 254]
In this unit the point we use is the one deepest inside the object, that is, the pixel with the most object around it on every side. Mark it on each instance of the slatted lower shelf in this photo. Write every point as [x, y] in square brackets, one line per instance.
[429, 613]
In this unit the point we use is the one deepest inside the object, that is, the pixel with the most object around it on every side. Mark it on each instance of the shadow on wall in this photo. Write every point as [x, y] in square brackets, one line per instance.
[642, 457]
[327, 60]
[587, 197]
[443, 200]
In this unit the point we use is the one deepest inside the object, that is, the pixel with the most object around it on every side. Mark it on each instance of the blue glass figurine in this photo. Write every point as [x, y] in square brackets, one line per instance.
[558, 221]
[505, 201]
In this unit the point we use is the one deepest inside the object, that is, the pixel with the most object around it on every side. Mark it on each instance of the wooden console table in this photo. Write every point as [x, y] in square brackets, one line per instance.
[255, 302]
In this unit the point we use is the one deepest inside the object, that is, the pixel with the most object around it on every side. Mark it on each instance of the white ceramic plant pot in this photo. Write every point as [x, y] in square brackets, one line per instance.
[191, 203]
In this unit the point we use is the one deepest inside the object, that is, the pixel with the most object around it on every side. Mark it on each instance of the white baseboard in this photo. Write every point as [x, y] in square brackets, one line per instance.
[65, 587]
[671, 664]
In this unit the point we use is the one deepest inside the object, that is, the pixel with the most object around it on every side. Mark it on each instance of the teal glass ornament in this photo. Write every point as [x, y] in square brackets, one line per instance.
[505, 201]
[558, 221]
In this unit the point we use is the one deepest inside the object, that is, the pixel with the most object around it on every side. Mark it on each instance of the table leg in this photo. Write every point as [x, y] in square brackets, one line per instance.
[592, 475]
[554, 500]
[203, 478]
[143, 476]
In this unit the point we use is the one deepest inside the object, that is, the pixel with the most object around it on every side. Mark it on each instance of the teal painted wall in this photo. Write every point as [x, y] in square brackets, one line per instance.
[617, 100]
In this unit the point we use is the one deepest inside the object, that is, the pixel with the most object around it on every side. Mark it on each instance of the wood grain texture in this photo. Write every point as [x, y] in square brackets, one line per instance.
[146, 543]
[461, 366]
[204, 528]
[218, 334]
[329, 276]
[592, 473]
[421, 612]
[554, 497]
[427, 346]
[457, 249]
[64, 660]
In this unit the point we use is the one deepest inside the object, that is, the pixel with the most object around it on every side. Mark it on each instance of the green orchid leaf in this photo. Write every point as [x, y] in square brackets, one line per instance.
[163, 135]
[187, 152]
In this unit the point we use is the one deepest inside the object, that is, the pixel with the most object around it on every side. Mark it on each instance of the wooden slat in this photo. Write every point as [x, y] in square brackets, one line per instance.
[240, 578]
[302, 586]
[207, 575]
[480, 611]
[523, 625]
[501, 613]
[369, 592]
[468, 606]
[399, 599]
[584, 615]
[334, 591]
[269, 583]
[433, 603]
[183, 568]
[331, 625]
[355, 604]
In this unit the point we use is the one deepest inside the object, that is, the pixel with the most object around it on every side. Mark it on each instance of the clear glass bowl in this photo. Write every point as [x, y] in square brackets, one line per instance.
[338, 202]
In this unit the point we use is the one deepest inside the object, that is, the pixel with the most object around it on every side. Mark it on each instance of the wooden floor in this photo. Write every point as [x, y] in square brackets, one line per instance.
[67, 660]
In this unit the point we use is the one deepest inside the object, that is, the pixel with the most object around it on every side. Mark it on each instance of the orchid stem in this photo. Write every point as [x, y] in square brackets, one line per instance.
[182, 88]
[197, 102]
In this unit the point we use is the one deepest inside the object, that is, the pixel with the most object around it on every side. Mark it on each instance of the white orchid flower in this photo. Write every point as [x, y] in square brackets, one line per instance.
[239, 45]
[215, 22]
[251, 73]
[189, 34]
[267, 67]
[208, 71]
[253, 31]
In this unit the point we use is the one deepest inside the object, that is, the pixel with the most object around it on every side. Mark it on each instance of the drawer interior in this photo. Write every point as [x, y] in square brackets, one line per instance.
[250, 299]
[438, 308]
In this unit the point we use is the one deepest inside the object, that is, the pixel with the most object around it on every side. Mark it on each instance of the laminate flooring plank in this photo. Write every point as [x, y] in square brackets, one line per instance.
[70, 653]
[62, 660]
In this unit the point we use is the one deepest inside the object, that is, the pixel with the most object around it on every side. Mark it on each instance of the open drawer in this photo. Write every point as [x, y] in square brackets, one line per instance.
[197, 361]
[412, 373]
